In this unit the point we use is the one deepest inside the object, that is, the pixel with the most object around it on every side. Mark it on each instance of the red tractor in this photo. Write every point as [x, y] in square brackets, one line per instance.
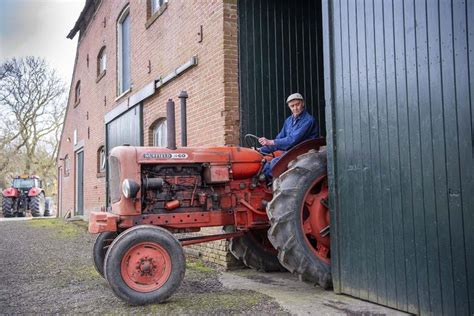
[157, 192]
[25, 194]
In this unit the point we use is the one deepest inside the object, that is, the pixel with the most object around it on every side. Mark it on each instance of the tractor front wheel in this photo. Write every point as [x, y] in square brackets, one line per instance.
[255, 250]
[299, 219]
[144, 264]
[37, 205]
[101, 245]
[7, 207]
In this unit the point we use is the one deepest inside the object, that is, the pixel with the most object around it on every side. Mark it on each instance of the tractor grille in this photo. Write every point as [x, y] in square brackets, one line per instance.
[114, 184]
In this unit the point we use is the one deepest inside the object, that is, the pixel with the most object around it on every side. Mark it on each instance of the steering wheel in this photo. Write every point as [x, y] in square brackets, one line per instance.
[251, 141]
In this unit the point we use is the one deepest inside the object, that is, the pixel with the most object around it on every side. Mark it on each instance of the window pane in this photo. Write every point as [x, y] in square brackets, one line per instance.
[125, 52]
[78, 91]
[160, 135]
[156, 4]
[23, 183]
[102, 61]
[102, 160]
[66, 165]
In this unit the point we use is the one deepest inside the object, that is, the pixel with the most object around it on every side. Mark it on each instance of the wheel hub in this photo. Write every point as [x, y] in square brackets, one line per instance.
[315, 219]
[146, 267]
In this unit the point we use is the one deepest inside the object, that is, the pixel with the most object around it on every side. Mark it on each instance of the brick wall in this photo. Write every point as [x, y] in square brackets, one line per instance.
[156, 50]
[213, 117]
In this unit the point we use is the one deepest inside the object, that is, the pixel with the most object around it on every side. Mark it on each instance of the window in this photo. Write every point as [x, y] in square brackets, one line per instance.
[24, 183]
[74, 137]
[101, 159]
[123, 50]
[77, 93]
[159, 133]
[154, 9]
[101, 63]
[156, 5]
[67, 165]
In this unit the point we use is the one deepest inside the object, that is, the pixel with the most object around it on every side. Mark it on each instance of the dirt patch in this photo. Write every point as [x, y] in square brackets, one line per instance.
[47, 269]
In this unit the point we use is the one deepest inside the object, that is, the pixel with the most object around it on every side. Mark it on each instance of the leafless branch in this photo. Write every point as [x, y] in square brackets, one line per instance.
[32, 103]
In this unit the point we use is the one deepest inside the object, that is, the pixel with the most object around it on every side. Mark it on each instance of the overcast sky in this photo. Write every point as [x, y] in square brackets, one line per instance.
[39, 28]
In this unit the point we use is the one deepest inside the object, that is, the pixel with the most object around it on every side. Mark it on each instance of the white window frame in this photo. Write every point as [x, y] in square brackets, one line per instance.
[122, 17]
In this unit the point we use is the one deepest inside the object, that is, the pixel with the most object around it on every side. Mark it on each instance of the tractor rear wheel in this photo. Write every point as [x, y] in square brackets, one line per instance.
[299, 219]
[144, 264]
[7, 207]
[255, 250]
[37, 205]
[101, 246]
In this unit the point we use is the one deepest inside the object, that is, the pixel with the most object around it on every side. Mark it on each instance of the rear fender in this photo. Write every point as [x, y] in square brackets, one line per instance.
[10, 192]
[34, 191]
[282, 165]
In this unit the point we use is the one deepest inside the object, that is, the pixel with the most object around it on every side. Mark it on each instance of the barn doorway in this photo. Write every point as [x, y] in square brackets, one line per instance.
[122, 127]
[280, 52]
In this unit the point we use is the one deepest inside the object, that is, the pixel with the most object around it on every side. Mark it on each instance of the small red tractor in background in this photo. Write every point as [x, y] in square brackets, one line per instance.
[25, 194]
[156, 192]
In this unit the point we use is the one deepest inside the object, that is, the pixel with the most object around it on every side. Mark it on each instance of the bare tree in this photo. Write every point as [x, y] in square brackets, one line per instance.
[32, 106]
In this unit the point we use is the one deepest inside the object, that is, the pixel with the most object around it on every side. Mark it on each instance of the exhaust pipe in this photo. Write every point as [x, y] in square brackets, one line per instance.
[171, 125]
[184, 130]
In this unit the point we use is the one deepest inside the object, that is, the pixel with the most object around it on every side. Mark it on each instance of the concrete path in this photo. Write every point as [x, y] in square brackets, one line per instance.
[301, 298]
[15, 219]
[28, 218]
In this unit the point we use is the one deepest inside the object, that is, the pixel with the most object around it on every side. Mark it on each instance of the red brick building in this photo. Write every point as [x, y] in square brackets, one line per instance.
[161, 37]
[133, 56]
[159, 43]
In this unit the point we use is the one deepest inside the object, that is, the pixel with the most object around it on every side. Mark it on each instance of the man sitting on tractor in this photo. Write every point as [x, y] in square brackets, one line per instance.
[300, 126]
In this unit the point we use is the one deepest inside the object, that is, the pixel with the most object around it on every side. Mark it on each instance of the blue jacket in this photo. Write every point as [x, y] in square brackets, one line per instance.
[294, 131]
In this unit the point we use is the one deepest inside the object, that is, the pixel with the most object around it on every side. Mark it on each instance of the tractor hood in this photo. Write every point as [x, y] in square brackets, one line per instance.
[243, 162]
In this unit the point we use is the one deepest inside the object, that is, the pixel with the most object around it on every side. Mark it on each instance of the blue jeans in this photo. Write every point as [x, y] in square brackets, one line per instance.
[267, 168]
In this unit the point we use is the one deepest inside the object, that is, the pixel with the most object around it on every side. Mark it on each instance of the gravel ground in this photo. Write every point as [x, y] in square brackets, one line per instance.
[46, 268]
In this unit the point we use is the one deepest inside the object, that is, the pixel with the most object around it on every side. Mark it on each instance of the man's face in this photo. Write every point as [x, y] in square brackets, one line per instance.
[296, 107]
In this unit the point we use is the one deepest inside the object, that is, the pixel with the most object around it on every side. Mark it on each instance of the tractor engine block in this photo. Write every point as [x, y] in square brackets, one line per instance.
[175, 187]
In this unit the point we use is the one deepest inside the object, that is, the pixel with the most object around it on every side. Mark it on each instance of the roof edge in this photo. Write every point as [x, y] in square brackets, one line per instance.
[83, 18]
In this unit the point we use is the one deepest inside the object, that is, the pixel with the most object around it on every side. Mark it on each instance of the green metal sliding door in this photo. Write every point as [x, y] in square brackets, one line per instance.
[399, 87]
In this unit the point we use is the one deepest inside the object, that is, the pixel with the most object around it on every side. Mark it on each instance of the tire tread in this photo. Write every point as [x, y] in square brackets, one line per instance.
[294, 254]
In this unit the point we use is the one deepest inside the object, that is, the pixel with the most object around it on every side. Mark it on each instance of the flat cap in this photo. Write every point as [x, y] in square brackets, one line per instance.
[294, 96]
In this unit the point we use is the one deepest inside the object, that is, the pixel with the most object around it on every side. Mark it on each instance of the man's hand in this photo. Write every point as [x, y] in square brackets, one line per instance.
[266, 142]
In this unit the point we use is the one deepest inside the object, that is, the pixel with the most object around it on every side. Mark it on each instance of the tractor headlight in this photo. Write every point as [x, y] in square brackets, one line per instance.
[130, 188]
